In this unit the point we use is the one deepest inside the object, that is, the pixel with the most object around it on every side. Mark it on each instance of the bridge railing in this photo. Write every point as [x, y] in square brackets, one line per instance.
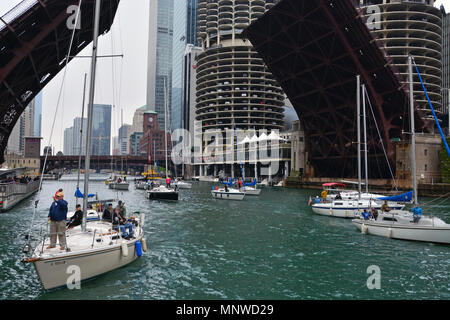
[15, 12]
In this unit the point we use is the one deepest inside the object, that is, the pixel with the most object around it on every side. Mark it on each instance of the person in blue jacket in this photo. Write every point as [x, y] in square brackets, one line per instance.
[365, 215]
[57, 216]
[417, 213]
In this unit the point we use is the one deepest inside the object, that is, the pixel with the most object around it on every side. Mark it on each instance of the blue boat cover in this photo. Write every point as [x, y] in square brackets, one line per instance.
[230, 183]
[250, 184]
[79, 194]
[405, 197]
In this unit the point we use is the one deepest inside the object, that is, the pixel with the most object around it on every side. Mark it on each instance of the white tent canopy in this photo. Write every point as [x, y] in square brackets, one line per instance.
[245, 140]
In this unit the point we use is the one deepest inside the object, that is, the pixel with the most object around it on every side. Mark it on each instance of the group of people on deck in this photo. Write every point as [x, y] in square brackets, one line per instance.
[59, 223]
[373, 214]
[22, 179]
[169, 183]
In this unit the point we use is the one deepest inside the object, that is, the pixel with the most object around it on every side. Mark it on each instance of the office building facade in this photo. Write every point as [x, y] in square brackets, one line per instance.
[101, 130]
[68, 141]
[159, 73]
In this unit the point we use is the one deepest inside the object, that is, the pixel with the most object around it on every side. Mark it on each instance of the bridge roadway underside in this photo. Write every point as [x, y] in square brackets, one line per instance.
[34, 43]
[97, 162]
[315, 49]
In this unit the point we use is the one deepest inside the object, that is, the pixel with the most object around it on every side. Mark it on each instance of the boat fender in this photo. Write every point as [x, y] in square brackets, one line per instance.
[389, 234]
[331, 211]
[364, 229]
[124, 248]
[142, 219]
[138, 246]
[144, 245]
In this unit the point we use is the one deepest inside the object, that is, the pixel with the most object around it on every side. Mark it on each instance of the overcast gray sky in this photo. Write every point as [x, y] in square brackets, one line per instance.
[129, 37]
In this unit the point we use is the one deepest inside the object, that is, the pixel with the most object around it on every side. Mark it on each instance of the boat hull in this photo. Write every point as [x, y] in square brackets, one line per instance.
[163, 195]
[8, 201]
[59, 271]
[228, 195]
[118, 186]
[349, 213]
[413, 233]
[252, 192]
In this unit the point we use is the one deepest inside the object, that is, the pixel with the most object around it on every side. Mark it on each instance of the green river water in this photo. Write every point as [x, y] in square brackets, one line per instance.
[267, 247]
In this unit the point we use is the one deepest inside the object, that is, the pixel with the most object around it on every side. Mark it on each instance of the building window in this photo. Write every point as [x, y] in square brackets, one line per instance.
[425, 152]
[426, 167]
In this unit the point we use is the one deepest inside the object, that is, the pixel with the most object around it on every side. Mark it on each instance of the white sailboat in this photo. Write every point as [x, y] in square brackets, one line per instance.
[163, 192]
[400, 224]
[118, 185]
[227, 193]
[94, 247]
[352, 203]
[251, 188]
[183, 184]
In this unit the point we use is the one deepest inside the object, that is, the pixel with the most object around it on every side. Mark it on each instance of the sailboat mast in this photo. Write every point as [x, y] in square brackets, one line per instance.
[358, 117]
[413, 134]
[256, 160]
[90, 110]
[81, 133]
[121, 155]
[165, 123]
[366, 169]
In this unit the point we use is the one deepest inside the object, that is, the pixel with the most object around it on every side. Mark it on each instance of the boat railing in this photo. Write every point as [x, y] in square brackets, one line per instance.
[7, 189]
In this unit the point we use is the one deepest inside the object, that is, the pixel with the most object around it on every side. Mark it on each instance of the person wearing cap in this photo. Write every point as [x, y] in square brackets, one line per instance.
[122, 209]
[57, 216]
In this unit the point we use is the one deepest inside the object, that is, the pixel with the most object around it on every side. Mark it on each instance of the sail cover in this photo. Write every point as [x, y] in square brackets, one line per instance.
[230, 183]
[250, 184]
[405, 197]
[79, 194]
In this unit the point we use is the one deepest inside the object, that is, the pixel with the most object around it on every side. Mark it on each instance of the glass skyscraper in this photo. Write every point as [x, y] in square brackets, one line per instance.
[184, 33]
[38, 115]
[101, 130]
[160, 58]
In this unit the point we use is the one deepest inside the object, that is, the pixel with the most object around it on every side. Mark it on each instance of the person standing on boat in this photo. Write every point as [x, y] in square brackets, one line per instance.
[57, 216]
[168, 182]
[417, 213]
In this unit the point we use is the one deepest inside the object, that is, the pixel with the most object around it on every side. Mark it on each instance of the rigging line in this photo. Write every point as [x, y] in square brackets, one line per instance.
[443, 197]
[381, 140]
[432, 109]
[121, 50]
[54, 118]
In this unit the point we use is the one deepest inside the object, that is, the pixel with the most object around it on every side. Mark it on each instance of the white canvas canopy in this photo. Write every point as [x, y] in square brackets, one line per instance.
[245, 140]
[262, 137]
